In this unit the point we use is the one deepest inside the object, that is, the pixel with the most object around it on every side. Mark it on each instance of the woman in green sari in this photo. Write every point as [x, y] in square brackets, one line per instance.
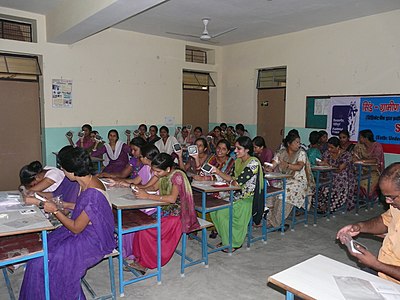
[246, 172]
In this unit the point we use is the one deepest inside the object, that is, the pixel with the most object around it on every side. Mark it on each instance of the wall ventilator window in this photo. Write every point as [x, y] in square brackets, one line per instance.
[196, 55]
[197, 81]
[12, 30]
[19, 67]
[271, 78]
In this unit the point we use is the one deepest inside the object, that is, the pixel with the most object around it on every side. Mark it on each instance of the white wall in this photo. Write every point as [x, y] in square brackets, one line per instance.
[119, 77]
[355, 57]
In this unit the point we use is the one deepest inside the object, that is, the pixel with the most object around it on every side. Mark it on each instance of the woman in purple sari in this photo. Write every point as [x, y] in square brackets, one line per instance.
[83, 240]
[117, 154]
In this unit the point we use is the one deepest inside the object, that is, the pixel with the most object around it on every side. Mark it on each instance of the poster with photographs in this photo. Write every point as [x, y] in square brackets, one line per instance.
[62, 93]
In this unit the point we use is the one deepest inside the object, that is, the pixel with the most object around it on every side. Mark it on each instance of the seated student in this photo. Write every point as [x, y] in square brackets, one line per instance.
[222, 161]
[197, 133]
[291, 160]
[183, 136]
[345, 143]
[247, 173]
[36, 178]
[166, 142]
[153, 134]
[231, 135]
[177, 217]
[294, 131]
[49, 182]
[98, 142]
[134, 164]
[323, 139]
[148, 153]
[339, 196]
[387, 264]
[313, 151]
[261, 151]
[223, 127]
[83, 240]
[195, 161]
[369, 151]
[241, 131]
[84, 141]
[117, 154]
[216, 137]
[141, 131]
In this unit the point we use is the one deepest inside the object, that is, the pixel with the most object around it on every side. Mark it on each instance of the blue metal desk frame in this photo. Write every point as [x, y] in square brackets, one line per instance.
[204, 211]
[318, 172]
[361, 177]
[120, 232]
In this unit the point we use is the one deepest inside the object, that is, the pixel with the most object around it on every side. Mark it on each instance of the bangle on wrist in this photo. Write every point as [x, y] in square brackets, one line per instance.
[41, 204]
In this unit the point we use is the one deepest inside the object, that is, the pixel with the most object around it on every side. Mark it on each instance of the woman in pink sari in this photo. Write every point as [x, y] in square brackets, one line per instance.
[177, 217]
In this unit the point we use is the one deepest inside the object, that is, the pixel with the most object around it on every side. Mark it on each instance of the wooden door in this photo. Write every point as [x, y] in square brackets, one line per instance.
[195, 108]
[271, 116]
[19, 130]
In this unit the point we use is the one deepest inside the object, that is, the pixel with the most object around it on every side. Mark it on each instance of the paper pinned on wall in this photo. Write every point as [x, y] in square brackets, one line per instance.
[169, 121]
[62, 93]
[322, 106]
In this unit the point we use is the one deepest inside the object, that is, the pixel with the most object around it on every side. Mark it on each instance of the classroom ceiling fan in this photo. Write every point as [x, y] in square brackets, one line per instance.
[205, 36]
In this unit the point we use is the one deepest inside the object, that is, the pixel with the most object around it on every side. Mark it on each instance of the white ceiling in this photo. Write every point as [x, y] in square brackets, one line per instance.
[254, 18]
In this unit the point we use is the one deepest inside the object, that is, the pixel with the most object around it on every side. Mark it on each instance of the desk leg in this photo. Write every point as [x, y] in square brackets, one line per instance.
[283, 206]
[230, 221]
[203, 205]
[359, 167]
[369, 201]
[120, 258]
[264, 221]
[316, 196]
[159, 244]
[289, 296]
[45, 265]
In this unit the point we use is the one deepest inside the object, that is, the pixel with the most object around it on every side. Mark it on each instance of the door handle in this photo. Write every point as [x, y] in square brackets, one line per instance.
[265, 103]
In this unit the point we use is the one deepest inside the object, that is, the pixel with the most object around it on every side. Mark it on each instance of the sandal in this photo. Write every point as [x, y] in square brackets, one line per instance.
[213, 234]
[138, 267]
[233, 249]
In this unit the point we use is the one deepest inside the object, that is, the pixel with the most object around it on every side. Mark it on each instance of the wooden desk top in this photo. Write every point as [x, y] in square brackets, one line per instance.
[314, 278]
[12, 222]
[206, 186]
[276, 175]
[123, 198]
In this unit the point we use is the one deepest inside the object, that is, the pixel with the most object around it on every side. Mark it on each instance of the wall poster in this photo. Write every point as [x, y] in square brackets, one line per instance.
[62, 93]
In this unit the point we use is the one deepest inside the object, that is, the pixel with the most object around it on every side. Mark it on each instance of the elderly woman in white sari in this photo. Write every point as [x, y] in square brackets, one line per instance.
[291, 160]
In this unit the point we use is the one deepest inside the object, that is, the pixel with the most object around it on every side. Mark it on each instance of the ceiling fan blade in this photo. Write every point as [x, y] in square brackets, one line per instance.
[223, 32]
[183, 34]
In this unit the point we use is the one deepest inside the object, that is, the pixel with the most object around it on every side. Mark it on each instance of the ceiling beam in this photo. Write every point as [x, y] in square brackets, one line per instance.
[75, 20]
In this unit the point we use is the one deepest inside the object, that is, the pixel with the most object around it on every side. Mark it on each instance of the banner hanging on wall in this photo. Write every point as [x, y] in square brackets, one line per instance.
[344, 113]
[382, 115]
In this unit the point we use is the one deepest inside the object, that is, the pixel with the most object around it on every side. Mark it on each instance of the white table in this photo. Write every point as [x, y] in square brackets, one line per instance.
[314, 279]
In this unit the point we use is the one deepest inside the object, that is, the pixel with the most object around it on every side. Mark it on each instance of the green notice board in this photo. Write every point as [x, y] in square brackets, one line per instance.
[312, 120]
